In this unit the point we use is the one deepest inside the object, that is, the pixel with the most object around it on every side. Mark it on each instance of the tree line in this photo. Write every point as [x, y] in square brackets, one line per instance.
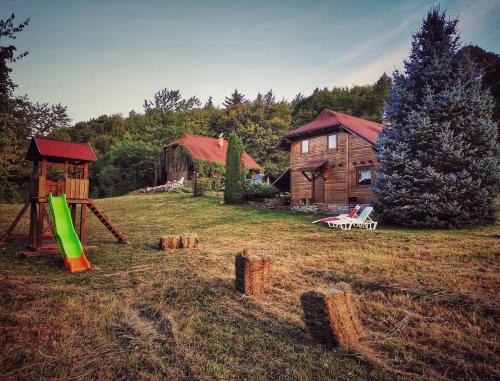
[442, 138]
[127, 147]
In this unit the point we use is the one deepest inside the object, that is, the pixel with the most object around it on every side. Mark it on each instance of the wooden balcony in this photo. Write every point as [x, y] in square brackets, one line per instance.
[73, 188]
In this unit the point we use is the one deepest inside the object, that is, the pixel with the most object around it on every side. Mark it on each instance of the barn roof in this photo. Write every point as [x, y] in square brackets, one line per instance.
[206, 148]
[41, 147]
[365, 129]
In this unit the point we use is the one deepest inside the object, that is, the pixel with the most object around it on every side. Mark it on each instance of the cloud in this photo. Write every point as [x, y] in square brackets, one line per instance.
[376, 41]
[371, 72]
[470, 18]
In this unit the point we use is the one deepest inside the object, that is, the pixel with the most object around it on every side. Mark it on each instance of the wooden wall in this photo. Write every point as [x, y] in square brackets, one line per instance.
[340, 172]
[173, 164]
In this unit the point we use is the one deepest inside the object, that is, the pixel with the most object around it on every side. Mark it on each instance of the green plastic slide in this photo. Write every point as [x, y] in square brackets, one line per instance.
[71, 247]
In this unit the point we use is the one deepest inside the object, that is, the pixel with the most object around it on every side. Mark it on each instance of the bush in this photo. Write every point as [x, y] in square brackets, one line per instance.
[202, 186]
[233, 192]
[216, 183]
[180, 189]
[259, 191]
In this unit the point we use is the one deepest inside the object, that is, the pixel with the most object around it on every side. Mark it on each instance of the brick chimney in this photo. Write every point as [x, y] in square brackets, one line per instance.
[220, 141]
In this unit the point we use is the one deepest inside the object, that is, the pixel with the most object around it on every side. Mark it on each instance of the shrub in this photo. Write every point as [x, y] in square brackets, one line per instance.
[180, 189]
[233, 192]
[259, 191]
[202, 186]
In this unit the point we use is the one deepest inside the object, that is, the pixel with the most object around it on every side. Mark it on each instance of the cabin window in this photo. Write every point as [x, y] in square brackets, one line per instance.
[304, 146]
[364, 176]
[332, 141]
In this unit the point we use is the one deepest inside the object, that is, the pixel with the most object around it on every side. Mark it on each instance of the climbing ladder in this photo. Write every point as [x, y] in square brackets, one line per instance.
[107, 222]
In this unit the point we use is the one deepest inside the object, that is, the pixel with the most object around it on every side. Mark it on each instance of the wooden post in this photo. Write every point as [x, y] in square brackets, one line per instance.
[83, 224]
[41, 219]
[34, 180]
[73, 214]
[14, 224]
[42, 191]
[313, 186]
[33, 222]
[348, 176]
[85, 177]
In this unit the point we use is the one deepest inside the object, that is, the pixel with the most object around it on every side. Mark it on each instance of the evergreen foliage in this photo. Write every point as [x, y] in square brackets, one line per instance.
[438, 159]
[490, 63]
[362, 101]
[233, 192]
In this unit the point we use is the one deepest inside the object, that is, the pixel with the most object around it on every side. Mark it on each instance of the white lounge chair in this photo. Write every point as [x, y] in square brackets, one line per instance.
[363, 221]
[353, 213]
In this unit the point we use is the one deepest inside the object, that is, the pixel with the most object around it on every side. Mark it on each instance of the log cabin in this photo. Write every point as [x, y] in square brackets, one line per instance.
[177, 159]
[332, 159]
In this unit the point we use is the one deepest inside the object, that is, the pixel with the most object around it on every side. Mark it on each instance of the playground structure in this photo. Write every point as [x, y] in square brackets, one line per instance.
[59, 168]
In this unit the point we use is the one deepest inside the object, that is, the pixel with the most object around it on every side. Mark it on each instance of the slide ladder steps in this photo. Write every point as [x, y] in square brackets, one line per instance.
[107, 222]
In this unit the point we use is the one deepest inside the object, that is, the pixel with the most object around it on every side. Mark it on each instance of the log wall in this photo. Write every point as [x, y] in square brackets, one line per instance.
[341, 180]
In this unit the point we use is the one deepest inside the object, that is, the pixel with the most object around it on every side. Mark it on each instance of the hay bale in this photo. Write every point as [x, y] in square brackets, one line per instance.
[331, 317]
[168, 242]
[252, 273]
[190, 241]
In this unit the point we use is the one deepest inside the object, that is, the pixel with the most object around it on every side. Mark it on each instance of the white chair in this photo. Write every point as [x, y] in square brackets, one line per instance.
[363, 221]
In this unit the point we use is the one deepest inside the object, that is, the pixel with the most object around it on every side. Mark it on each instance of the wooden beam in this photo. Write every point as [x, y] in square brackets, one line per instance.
[34, 180]
[83, 224]
[73, 214]
[33, 225]
[14, 223]
[347, 170]
[313, 186]
[41, 218]
[307, 177]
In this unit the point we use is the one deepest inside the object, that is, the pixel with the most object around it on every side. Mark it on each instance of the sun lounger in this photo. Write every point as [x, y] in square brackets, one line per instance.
[363, 221]
[353, 213]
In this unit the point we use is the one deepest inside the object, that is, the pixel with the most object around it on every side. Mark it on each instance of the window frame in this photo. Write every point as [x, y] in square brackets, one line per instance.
[302, 147]
[358, 171]
[336, 141]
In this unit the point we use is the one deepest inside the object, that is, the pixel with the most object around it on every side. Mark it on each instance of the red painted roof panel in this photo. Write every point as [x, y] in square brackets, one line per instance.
[206, 148]
[45, 147]
[365, 129]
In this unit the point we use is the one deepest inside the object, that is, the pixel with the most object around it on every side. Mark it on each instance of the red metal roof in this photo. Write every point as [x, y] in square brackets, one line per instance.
[50, 148]
[206, 148]
[365, 129]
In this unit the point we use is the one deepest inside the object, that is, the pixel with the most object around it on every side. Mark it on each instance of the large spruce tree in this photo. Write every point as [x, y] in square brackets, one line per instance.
[234, 182]
[438, 155]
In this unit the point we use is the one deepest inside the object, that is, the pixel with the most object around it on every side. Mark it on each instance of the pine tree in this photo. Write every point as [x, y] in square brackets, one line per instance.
[209, 104]
[438, 159]
[235, 99]
[233, 192]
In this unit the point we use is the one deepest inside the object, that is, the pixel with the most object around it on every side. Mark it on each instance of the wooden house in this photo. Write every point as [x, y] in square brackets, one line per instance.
[177, 159]
[332, 159]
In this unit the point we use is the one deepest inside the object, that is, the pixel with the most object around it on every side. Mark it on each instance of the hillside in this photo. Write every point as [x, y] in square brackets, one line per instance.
[428, 300]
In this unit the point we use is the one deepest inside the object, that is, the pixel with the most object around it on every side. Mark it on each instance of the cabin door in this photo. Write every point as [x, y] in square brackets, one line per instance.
[319, 190]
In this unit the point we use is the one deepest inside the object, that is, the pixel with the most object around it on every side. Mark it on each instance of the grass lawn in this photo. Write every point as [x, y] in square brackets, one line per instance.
[428, 300]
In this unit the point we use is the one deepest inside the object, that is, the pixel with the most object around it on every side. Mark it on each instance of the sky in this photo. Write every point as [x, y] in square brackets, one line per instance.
[106, 57]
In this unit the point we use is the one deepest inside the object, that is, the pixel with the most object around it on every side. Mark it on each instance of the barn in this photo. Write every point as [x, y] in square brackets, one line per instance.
[177, 159]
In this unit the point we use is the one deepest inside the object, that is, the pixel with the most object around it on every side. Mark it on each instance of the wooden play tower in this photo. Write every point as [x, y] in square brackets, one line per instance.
[59, 167]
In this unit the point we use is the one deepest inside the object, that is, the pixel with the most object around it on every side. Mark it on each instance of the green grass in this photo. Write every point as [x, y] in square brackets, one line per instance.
[428, 300]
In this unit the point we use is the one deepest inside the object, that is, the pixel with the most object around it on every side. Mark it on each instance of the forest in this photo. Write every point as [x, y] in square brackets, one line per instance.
[127, 146]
